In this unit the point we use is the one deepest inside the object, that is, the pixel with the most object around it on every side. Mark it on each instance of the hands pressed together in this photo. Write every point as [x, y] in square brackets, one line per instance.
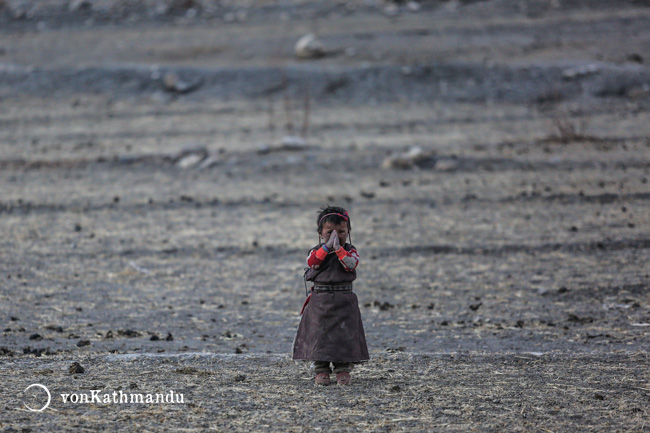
[333, 242]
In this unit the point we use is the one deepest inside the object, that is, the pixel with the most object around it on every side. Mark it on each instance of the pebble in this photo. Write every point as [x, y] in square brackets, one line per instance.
[309, 47]
[580, 72]
[128, 333]
[413, 6]
[190, 156]
[76, 368]
[413, 158]
[76, 5]
[173, 83]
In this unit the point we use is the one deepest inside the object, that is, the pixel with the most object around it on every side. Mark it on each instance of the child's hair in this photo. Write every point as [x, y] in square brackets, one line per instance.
[333, 215]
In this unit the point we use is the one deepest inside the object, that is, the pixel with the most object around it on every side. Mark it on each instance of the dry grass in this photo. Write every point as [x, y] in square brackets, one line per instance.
[393, 392]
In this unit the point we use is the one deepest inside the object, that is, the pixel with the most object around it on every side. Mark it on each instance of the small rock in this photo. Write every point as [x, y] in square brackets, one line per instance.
[293, 142]
[383, 306]
[240, 378]
[76, 5]
[414, 157]
[413, 6]
[6, 352]
[154, 338]
[635, 57]
[36, 337]
[208, 162]
[128, 333]
[309, 47]
[109, 334]
[580, 72]
[190, 156]
[76, 368]
[290, 143]
[189, 161]
[391, 10]
[447, 164]
[82, 343]
[173, 83]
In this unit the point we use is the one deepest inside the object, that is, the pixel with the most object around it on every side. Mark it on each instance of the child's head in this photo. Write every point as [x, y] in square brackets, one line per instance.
[333, 218]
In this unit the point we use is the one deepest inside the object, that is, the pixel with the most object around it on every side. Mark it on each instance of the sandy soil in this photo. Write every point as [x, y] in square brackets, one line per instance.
[155, 211]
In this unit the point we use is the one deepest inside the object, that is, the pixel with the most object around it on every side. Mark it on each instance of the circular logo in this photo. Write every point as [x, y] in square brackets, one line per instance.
[49, 397]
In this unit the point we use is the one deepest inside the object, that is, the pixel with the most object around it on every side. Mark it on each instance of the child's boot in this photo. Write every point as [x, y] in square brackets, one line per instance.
[323, 379]
[343, 378]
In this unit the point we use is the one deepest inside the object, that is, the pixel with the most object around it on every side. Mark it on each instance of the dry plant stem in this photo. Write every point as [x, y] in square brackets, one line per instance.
[287, 104]
[306, 112]
[568, 129]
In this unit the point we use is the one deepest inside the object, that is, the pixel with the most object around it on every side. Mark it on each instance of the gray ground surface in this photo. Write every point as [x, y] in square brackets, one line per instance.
[156, 234]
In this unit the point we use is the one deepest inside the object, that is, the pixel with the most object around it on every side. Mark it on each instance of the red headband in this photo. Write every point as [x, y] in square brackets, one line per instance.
[342, 215]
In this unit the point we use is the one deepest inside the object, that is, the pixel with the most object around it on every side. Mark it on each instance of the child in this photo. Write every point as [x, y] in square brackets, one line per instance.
[331, 330]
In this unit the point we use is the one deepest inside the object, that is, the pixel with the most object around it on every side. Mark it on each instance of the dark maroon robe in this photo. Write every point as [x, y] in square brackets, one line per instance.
[331, 328]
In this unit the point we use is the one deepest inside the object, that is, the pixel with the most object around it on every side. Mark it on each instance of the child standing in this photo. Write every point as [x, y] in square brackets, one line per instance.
[330, 329]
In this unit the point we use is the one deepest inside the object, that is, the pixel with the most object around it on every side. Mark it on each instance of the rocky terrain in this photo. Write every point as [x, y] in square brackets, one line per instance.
[162, 163]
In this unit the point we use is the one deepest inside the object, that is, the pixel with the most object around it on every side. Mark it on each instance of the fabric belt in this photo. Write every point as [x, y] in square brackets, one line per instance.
[333, 288]
[326, 288]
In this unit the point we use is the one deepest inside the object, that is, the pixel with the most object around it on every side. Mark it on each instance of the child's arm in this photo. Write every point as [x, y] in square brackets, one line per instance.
[316, 256]
[349, 259]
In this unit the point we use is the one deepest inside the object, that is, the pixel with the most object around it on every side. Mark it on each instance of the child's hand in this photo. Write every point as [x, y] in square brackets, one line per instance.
[336, 245]
[333, 238]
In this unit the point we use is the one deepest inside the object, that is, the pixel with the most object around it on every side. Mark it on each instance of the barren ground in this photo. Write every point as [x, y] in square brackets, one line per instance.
[156, 234]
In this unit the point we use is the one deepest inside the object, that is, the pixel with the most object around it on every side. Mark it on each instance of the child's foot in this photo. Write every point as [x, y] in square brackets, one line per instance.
[323, 379]
[343, 378]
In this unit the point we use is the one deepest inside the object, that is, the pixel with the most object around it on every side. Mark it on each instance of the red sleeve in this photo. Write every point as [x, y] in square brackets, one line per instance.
[349, 259]
[316, 257]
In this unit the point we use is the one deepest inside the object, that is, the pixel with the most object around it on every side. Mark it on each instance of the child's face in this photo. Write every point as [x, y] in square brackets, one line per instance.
[341, 231]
